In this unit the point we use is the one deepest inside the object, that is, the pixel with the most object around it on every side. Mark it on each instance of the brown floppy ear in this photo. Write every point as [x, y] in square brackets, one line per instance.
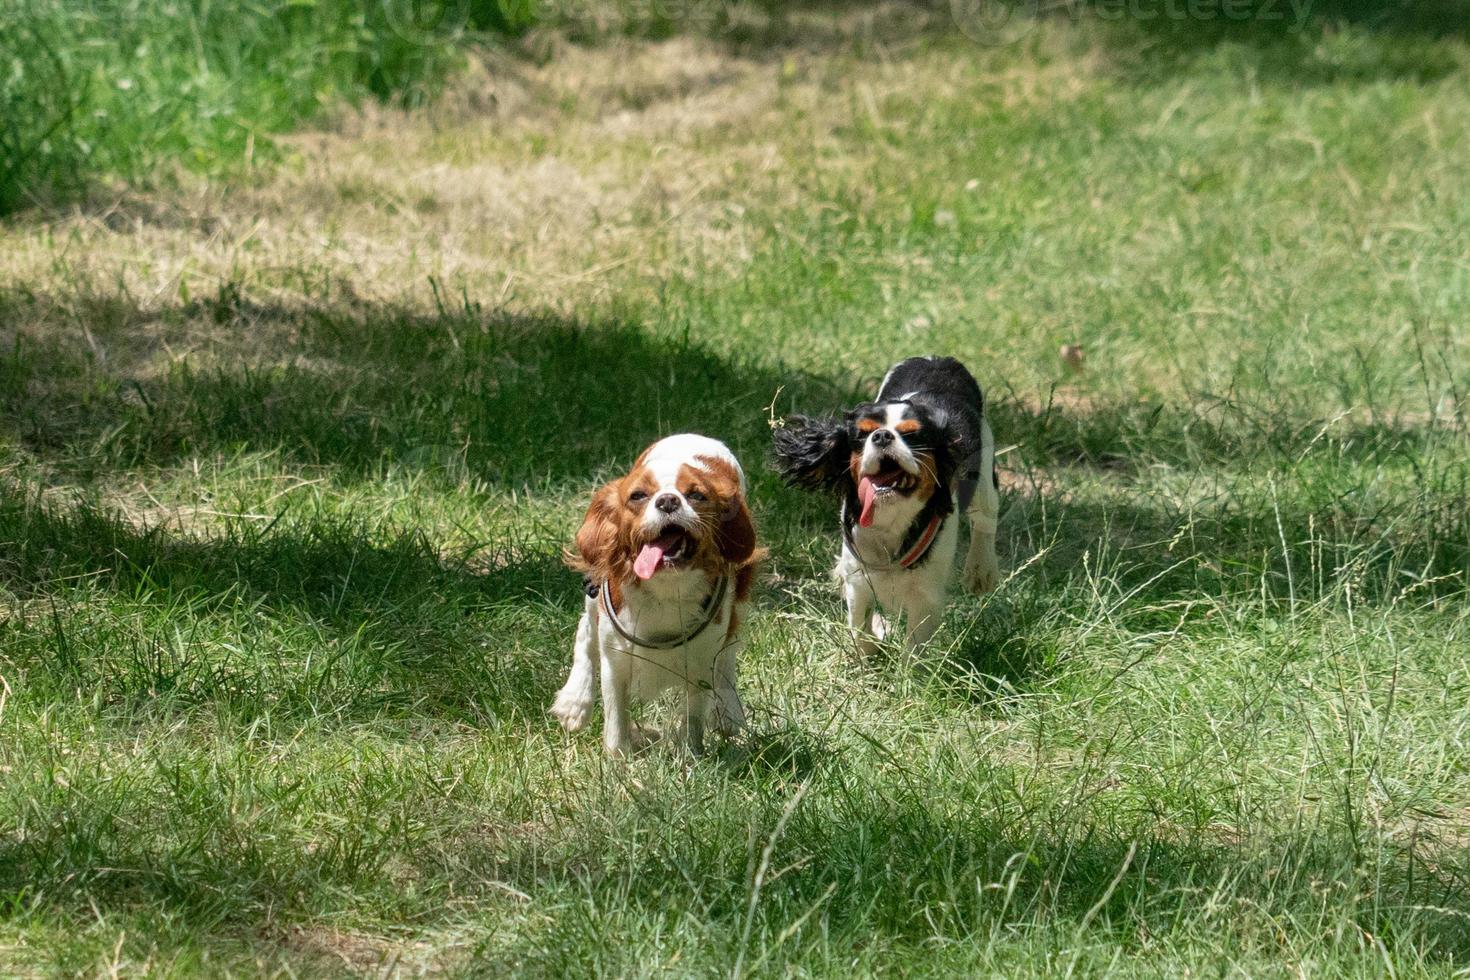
[736, 536]
[598, 535]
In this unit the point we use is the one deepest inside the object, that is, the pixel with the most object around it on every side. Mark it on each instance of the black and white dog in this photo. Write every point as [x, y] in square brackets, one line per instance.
[906, 465]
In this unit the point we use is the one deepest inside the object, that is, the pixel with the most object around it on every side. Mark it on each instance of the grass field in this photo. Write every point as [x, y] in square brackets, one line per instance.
[286, 466]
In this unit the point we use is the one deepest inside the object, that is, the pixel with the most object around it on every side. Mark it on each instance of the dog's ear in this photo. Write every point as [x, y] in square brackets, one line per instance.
[967, 448]
[947, 452]
[812, 453]
[736, 534]
[597, 539]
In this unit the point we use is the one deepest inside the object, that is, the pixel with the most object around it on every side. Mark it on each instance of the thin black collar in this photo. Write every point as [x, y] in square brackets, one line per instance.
[712, 605]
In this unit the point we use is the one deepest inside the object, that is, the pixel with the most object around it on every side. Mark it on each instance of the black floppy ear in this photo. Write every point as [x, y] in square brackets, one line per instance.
[811, 453]
[945, 451]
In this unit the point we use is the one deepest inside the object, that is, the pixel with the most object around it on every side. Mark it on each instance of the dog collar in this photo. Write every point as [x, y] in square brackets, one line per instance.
[712, 602]
[910, 558]
[921, 547]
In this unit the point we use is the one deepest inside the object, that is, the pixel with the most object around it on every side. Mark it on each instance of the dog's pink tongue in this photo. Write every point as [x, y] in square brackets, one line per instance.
[649, 559]
[867, 495]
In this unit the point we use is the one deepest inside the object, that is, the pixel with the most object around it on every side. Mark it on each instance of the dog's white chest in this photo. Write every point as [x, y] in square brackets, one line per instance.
[897, 588]
[661, 620]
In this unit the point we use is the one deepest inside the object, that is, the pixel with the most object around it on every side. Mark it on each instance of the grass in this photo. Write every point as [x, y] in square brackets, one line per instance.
[288, 463]
[142, 90]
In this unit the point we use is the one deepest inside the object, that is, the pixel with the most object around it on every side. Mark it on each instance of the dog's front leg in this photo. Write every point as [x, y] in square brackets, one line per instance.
[923, 619]
[982, 567]
[729, 714]
[860, 601]
[574, 700]
[924, 604]
[696, 706]
[617, 672]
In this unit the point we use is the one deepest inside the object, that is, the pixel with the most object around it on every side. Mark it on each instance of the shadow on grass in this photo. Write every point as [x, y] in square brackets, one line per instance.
[320, 617]
[497, 398]
[781, 755]
[1291, 43]
[1278, 42]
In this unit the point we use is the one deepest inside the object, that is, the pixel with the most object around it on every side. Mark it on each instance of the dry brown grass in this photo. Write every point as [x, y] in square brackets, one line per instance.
[335, 950]
[530, 186]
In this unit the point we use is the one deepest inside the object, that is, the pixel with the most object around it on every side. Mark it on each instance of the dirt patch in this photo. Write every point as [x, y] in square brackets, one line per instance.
[1033, 482]
[1434, 835]
[360, 953]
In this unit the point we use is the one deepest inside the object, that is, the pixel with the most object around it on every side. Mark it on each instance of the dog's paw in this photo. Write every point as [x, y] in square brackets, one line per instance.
[571, 711]
[982, 577]
[727, 718]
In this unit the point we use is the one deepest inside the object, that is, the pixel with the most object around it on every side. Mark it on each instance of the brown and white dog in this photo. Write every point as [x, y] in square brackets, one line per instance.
[669, 553]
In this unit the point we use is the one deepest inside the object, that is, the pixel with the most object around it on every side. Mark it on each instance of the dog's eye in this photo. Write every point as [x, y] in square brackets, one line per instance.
[695, 495]
[637, 495]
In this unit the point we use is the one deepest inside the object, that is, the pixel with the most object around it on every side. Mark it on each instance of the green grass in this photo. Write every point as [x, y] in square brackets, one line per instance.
[136, 90]
[279, 544]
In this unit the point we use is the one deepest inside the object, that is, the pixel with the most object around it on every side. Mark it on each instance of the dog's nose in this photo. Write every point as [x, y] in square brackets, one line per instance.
[667, 502]
[881, 438]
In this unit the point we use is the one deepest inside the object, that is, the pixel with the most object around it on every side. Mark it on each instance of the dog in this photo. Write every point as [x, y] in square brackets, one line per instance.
[669, 554]
[904, 464]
